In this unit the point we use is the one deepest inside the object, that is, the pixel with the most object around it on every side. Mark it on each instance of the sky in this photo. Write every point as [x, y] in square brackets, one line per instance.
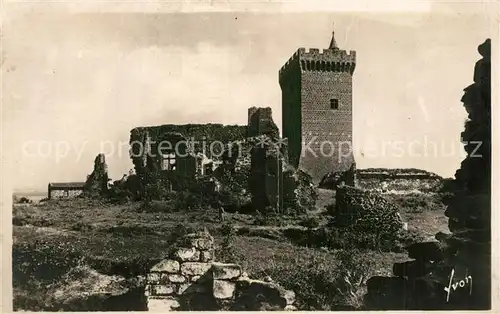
[75, 83]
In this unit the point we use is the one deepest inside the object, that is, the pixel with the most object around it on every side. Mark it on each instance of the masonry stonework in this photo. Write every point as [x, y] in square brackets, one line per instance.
[317, 109]
[190, 279]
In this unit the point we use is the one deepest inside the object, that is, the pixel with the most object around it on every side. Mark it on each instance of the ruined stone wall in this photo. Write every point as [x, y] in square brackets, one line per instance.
[398, 180]
[260, 122]
[60, 194]
[381, 180]
[266, 176]
[453, 272]
[97, 182]
[274, 184]
[204, 134]
[190, 279]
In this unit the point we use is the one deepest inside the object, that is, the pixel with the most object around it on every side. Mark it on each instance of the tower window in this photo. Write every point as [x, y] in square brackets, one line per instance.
[334, 104]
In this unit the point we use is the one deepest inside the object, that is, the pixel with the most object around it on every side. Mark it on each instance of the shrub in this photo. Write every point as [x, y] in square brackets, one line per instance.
[166, 206]
[23, 200]
[349, 237]
[227, 252]
[42, 262]
[180, 231]
[351, 276]
[310, 222]
[313, 281]
[269, 220]
[243, 231]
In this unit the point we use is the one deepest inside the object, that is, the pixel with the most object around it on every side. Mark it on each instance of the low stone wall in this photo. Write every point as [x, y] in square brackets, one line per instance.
[190, 279]
[61, 194]
[399, 185]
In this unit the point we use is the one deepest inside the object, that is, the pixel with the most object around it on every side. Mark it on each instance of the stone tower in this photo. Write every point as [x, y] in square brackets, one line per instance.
[316, 88]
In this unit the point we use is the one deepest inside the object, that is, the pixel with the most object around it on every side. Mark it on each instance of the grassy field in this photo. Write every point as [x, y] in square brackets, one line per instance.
[51, 238]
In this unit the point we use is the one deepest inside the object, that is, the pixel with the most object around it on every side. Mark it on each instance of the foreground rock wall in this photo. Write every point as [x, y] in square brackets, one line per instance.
[190, 279]
[469, 212]
[453, 272]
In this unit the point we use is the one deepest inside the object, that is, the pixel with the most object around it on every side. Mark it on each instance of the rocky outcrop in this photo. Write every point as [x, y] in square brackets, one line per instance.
[190, 279]
[97, 181]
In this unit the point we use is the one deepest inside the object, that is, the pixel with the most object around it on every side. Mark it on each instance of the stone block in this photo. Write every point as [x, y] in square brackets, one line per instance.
[290, 308]
[188, 288]
[163, 289]
[206, 256]
[201, 240]
[223, 289]
[288, 295]
[429, 251]
[204, 243]
[187, 255]
[164, 279]
[153, 278]
[195, 278]
[167, 266]
[256, 292]
[377, 284]
[412, 269]
[194, 268]
[176, 278]
[161, 305]
[225, 271]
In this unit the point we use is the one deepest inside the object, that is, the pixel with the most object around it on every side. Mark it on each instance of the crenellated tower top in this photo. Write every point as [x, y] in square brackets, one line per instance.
[332, 59]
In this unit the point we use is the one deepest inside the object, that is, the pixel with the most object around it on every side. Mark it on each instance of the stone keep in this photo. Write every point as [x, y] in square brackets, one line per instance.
[317, 108]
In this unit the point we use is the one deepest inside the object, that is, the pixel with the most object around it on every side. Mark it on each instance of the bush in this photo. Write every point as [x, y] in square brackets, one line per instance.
[321, 283]
[180, 231]
[269, 220]
[227, 252]
[23, 200]
[42, 262]
[310, 222]
[167, 206]
[352, 274]
[347, 238]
